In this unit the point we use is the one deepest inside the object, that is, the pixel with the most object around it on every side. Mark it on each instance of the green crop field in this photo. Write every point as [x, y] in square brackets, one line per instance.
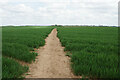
[17, 42]
[93, 50]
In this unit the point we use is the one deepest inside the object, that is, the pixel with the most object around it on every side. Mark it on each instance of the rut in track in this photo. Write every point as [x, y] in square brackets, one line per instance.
[51, 61]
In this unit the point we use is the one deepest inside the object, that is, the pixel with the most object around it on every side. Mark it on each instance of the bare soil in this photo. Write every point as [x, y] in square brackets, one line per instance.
[51, 61]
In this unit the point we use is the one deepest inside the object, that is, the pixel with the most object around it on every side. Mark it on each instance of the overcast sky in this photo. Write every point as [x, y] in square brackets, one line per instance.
[45, 12]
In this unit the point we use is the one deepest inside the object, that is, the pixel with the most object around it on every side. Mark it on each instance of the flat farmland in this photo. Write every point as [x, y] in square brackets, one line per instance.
[17, 42]
[93, 50]
[60, 52]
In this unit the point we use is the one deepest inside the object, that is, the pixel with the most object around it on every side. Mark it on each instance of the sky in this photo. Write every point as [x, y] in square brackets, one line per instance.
[64, 12]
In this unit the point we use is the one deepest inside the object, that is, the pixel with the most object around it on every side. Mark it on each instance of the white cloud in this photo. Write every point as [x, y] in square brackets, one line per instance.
[59, 12]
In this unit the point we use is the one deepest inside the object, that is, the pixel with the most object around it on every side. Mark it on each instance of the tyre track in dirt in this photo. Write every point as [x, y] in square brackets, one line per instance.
[51, 61]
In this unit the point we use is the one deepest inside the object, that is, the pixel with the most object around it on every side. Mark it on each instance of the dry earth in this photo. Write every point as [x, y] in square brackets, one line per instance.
[51, 61]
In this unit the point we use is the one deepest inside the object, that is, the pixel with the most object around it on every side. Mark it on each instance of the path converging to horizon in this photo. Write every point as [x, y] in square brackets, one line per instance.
[51, 61]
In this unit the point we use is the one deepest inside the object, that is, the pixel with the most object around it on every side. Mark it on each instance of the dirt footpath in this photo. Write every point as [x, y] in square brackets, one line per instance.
[51, 61]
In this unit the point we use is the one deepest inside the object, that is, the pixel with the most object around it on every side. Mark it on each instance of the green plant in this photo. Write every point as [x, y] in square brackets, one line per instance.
[94, 50]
